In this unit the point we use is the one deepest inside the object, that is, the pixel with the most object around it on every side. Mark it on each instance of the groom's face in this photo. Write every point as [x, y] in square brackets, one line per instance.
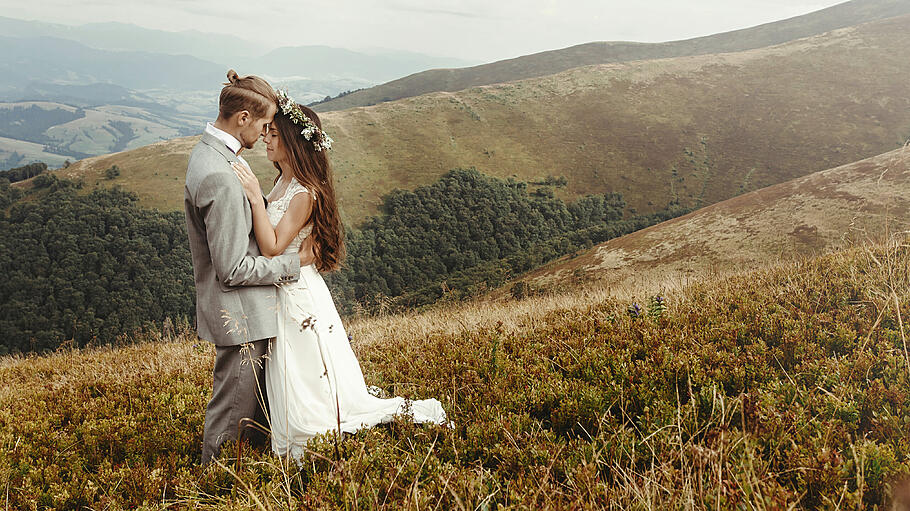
[256, 128]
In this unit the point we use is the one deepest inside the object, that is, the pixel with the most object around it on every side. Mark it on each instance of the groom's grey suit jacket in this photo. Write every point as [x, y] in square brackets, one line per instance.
[234, 282]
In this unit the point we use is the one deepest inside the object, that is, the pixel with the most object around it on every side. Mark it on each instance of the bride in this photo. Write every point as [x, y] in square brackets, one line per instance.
[313, 379]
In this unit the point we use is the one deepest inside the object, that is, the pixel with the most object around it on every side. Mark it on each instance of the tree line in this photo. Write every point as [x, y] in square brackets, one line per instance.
[24, 172]
[95, 267]
[87, 267]
[469, 232]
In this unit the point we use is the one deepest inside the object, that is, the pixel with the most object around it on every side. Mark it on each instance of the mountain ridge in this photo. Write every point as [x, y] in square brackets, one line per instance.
[56, 60]
[114, 36]
[230, 51]
[693, 130]
[549, 62]
[168, 73]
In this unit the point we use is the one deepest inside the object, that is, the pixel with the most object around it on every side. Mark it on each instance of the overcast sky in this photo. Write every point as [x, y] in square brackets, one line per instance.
[479, 30]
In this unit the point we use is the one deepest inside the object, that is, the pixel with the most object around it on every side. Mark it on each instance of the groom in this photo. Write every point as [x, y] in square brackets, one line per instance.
[235, 285]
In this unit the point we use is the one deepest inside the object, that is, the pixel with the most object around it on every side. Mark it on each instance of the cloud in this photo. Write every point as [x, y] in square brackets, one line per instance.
[423, 8]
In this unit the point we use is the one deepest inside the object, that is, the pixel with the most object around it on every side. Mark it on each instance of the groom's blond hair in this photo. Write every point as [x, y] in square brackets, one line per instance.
[249, 93]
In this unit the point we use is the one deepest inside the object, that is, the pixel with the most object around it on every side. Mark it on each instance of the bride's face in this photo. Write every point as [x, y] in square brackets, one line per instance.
[274, 149]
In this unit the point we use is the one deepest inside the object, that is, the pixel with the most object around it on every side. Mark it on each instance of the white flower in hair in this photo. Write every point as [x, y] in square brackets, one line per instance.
[320, 139]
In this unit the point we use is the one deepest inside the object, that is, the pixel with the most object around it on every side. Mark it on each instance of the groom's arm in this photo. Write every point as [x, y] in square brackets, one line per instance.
[222, 201]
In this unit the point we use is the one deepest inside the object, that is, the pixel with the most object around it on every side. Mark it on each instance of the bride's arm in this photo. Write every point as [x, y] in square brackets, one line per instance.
[273, 241]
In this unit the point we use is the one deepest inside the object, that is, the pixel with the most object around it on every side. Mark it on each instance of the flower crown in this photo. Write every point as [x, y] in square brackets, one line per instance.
[321, 140]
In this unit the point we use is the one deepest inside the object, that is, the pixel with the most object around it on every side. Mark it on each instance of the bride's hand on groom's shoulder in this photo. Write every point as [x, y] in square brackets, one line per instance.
[248, 180]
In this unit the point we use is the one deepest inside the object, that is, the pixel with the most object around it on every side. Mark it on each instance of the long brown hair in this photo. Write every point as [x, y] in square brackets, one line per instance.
[249, 93]
[313, 170]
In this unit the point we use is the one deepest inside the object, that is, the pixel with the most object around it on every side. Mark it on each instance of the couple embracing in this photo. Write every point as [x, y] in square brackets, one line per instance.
[282, 358]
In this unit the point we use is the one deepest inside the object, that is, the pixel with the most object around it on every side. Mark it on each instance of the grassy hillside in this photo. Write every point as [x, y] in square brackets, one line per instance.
[825, 211]
[156, 172]
[14, 153]
[778, 389]
[695, 130]
[550, 62]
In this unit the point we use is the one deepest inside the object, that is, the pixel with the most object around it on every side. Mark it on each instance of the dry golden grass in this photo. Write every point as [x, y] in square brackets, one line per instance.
[183, 355]
[499, 312]
[748, 390]
[697, 452]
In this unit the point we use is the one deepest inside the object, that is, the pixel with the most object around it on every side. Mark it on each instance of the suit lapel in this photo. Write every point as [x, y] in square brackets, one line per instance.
[216, 144]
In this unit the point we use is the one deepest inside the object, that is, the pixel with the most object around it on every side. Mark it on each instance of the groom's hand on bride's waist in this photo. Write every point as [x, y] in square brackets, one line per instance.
[307, 251]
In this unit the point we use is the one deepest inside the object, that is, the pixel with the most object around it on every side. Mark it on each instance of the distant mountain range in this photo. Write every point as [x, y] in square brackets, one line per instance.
[141, 86]
[24, 60]
[172, 78]
[312, 62]
[847, 14]
[323, 62]
[127, 37]
[694, 130]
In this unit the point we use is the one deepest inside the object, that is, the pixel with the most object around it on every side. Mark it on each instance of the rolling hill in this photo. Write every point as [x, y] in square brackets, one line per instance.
[828, 210]
[696, 130]
[550, 62]
[54, 132]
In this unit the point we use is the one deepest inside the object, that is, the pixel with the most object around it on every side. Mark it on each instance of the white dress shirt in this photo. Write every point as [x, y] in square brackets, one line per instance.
[232, 143]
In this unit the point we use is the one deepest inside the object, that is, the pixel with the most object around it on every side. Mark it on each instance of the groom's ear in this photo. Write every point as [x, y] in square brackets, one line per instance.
[244, 117]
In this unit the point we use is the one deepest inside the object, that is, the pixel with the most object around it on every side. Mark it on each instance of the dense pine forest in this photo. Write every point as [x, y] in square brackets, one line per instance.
[94, 267]
[87, 267]
[469, 232]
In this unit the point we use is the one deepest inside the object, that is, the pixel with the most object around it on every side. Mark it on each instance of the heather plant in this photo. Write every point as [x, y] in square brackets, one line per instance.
[634, 310]
[778, 389]
[657, 306]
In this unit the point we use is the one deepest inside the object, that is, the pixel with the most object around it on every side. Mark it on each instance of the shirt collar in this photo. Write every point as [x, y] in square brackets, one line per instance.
[232, 143]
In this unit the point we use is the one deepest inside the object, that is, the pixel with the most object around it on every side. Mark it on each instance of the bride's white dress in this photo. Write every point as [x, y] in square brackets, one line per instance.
[313, 377]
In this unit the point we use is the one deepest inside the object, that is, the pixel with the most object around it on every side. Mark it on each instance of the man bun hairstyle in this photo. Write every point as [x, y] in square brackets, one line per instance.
[249, 93]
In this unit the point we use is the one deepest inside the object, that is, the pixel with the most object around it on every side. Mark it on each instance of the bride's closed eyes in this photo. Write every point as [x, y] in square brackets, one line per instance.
[274, 149]
[270, 135]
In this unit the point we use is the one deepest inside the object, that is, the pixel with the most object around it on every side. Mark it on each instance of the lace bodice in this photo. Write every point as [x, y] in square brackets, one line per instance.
[279, 205]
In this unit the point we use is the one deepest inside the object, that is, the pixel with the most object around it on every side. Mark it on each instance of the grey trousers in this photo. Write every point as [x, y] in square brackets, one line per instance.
[238, 391]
